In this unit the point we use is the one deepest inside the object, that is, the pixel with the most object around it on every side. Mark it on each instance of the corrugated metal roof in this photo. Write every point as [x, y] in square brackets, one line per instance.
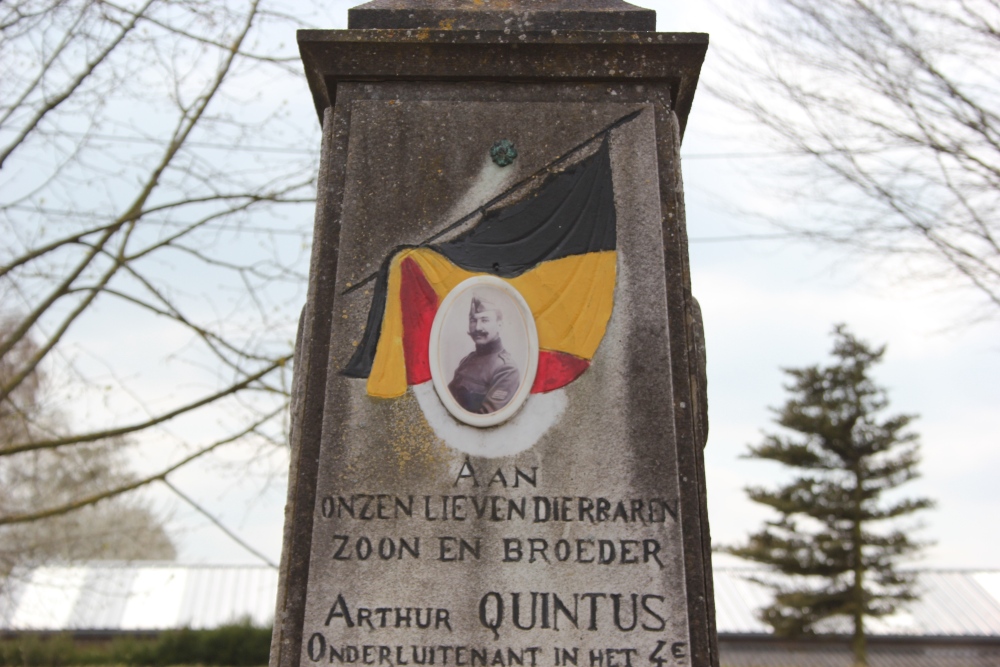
[952, 603]
[818, 654]
[130, 596]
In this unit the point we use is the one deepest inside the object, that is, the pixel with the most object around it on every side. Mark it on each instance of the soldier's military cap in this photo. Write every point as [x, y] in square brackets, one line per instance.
[481, 304]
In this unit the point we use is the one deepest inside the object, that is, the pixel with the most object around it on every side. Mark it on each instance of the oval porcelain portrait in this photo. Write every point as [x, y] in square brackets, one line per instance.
[483, 351]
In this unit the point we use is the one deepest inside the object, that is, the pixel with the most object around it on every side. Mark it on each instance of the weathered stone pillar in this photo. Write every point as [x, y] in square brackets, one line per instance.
[499, 405]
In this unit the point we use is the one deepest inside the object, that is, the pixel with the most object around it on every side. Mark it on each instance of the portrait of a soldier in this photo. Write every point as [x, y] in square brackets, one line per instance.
[486, 379]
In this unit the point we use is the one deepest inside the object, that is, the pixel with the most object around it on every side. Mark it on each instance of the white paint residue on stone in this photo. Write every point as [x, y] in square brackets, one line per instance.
[489, 182]
[540, 413]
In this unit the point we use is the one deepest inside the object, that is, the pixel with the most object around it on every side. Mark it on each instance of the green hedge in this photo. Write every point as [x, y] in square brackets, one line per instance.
[238, 645]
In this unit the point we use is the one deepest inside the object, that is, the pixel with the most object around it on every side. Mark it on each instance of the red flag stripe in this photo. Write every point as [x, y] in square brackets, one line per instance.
[419, 304]
[557, 369]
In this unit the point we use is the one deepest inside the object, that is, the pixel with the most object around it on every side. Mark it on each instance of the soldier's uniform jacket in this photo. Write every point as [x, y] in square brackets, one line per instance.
[486, 379]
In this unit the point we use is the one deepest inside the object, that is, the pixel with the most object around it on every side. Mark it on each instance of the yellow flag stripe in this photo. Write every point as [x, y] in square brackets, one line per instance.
[388, 375]
[570, 298]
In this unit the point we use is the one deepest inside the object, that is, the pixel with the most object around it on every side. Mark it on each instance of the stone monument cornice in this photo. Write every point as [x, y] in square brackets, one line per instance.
[435, 55]
[515, 15]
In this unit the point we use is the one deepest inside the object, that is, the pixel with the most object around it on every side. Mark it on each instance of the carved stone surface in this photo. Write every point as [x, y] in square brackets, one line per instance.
[572, 532]
[536, 15]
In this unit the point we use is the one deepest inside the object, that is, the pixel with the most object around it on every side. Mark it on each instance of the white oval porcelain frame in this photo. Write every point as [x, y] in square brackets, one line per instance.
[438, 374]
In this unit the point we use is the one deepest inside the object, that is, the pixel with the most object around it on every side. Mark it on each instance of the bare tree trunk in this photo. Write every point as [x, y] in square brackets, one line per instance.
[858, 641]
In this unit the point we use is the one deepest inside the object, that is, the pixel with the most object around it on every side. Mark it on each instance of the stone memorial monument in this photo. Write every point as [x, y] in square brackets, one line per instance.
[499, 405]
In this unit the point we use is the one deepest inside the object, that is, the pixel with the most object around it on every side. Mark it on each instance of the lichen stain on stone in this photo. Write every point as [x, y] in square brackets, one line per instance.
[347, 473]
[411, 438]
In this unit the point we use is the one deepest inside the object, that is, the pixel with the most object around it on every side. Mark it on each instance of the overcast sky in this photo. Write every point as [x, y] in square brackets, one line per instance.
[768, 303]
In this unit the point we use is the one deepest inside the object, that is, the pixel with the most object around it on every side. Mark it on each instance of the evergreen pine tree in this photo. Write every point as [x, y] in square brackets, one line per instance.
[835, 535]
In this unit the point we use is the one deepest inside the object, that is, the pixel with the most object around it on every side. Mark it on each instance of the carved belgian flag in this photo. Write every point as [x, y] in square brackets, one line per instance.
[557, 248]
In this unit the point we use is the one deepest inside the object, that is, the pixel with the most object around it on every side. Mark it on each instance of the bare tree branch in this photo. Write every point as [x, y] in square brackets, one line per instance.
[221, 526]
[898, 105]
[154, 197]
[18, 448]
[131, 486]
[53, 102]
